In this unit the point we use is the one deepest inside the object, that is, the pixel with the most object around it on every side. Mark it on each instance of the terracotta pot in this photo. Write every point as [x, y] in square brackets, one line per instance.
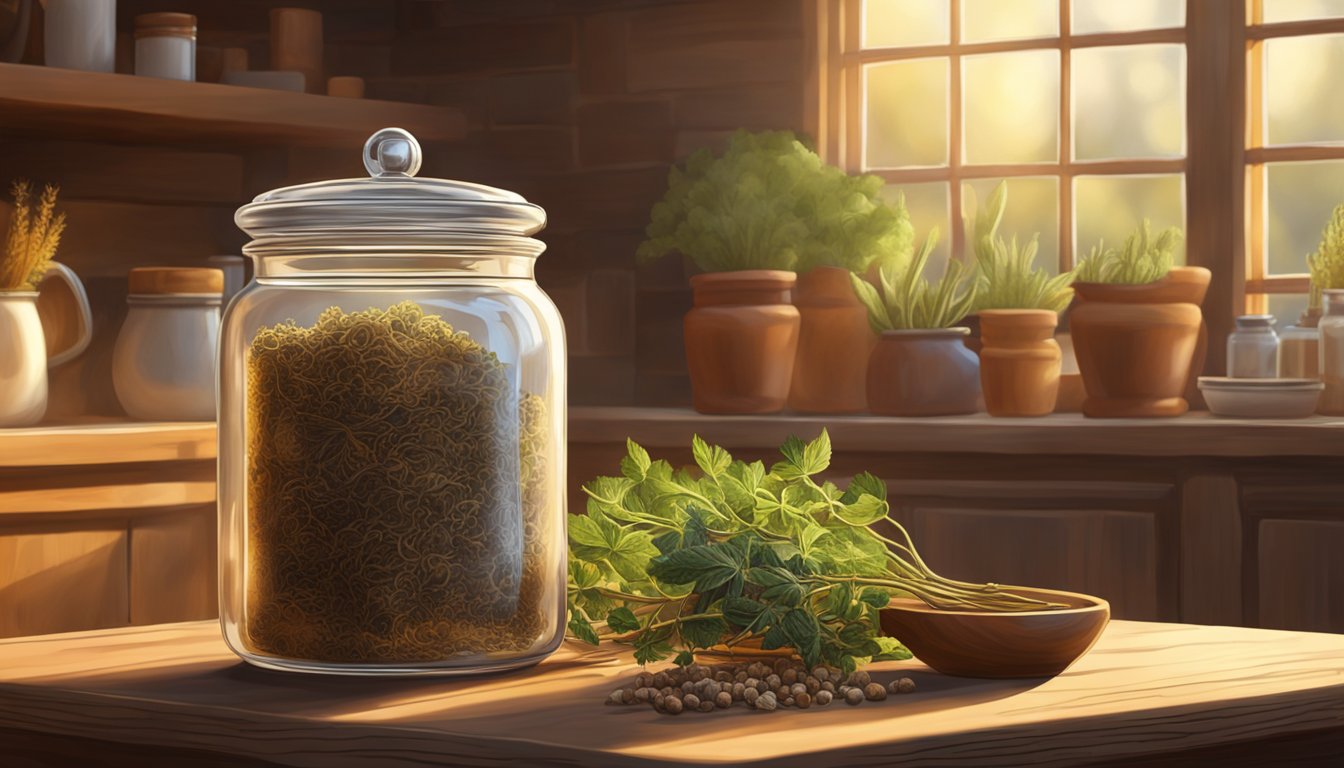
[741, 338]
[1019, 361]
[1000, 645]
[923, 373]
[834, 343]
[1136, 343]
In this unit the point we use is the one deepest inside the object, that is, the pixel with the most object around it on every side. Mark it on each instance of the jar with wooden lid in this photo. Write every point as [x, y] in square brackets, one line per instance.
[392, 429]
[165, 45]
[163, 365]
[1331, 329]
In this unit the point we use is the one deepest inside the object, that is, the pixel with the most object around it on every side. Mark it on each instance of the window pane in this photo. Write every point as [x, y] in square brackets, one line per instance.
[1033, 207]
[987, 20]
[1011, 112]
[1301, 197]
[893, 23]
[1297, 10]
[928, 205]
[1091, 16]
[1110, 208]
[1129, 102]
[906, 104]
[1302, 79]
[1286, 308]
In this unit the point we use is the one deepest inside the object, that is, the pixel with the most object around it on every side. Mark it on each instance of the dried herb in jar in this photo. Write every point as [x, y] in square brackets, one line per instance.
[395, 492]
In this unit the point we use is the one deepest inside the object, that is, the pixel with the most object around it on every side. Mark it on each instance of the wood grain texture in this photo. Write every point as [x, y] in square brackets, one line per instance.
[93, 106]
[1194, 434]
[173, 571]
[106, 443]
[1301, 577]
[58, 581]
[96, 171]
[1145, 690]
[1210, 550]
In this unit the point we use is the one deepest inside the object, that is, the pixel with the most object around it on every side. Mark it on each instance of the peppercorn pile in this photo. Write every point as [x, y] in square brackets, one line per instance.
[767, 687]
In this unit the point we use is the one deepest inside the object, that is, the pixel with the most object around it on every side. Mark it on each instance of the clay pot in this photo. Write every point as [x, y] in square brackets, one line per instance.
[1136, 343]
[1019, 361]
[741, 338]
[923, 373]
[834, 343]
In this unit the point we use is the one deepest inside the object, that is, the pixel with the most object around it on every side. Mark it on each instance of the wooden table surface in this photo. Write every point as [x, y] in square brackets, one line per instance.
[1144, 691]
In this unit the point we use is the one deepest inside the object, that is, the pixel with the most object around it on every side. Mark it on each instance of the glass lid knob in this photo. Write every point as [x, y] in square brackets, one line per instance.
[392, 153]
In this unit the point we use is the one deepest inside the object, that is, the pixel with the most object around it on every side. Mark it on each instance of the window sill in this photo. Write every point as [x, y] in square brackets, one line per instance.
[1195, 434]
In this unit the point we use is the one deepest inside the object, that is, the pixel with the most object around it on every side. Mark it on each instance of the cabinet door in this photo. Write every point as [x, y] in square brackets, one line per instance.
[1102, 540]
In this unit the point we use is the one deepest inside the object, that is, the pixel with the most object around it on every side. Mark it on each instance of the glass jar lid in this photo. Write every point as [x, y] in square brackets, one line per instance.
[392, 202]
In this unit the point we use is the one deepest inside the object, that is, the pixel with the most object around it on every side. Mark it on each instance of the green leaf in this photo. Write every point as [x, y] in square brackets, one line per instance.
[702, 633]
[636, 463]
[890, 649]
[595, 538]
[694, 534]
[743, 611]
[705, 567]
[817, 454]
[800, 627]
[794, 450]
[779, 585]
[863, 512]
[622, 620]
[581, 629]
[584, 575]
[876, 597]
[711, 459]
[684, 659]
[864, 482]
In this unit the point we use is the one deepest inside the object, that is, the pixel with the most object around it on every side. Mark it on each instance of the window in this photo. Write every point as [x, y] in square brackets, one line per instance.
[1080, 102]
[1294, 144]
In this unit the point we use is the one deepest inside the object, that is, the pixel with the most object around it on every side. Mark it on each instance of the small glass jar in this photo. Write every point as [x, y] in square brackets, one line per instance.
[165, 45]
[163, 365]
[1299, 353]
[1253, 348]
[1332, 354]
[392, 429]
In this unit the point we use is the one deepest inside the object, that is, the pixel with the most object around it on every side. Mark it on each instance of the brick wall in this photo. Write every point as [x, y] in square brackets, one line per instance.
[582, 106]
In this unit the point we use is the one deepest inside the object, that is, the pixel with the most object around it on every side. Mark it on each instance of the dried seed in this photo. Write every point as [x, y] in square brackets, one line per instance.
[617, 697]
[750, 695]
[853, 696]
[802, 700]
[642, 695]
[788, 701]
[823, 698]
[672, 705]
[706, 706]
[797, 688]
[874, 692]
[821, 674]
[724, 700]
[739, 689]
[789, 676]
[690, 700]
[813, 684]
[774, 681]
[828, 686]
[859, 679]
[904, 685]
[767, 702]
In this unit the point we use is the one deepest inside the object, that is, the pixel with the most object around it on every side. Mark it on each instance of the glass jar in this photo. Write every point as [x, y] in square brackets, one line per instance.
[165, 45]
[1299, 353]
[392, 429]
[1253, 348]
[1331, 329]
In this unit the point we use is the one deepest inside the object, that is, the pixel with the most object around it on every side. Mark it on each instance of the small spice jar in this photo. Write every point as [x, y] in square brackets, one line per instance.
[1253, 348]
[1299, 352]
[163, 365]
[1332, 354]
[392, 429]
[165, 45]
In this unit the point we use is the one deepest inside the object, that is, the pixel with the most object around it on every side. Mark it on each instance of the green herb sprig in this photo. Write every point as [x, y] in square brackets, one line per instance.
[1326, 265]
[908, 301]
[1143, 259]
[672, 563]
[1007, 277]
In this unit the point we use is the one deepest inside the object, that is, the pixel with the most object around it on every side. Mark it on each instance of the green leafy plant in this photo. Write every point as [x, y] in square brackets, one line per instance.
[33, 237]
[1143, 259]
[1007, 277]
[908, 301]
[769, 202]
[1326, 265]
[673, 562]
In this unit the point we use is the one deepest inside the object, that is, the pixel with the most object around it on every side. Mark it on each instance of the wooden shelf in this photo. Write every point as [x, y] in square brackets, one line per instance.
[85, 105]
[1195, 434]
[107, 443]
[1147, 694]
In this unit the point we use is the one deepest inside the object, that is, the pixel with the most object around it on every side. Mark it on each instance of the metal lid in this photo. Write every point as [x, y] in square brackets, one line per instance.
[1250, 322]
[392, 202]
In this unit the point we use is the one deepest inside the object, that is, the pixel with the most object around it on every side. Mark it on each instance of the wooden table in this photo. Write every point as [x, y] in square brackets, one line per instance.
[1148, 694]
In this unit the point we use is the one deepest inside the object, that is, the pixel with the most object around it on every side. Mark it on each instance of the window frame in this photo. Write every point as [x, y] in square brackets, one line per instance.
[1225, 159]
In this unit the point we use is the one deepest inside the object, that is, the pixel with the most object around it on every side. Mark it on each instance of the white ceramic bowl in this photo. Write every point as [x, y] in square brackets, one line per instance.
[1261, 398]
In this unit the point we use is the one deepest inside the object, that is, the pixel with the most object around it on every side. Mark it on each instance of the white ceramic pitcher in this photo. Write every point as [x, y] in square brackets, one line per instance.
[23, 349]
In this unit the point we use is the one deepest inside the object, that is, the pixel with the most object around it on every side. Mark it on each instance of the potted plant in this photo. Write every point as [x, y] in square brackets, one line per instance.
[920, 367]
[850, 229]
[1300, 349]
[1018, 305]
[750, 219]
[1136, 328]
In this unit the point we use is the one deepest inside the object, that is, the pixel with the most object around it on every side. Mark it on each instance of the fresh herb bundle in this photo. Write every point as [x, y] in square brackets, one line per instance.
[673, 563]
